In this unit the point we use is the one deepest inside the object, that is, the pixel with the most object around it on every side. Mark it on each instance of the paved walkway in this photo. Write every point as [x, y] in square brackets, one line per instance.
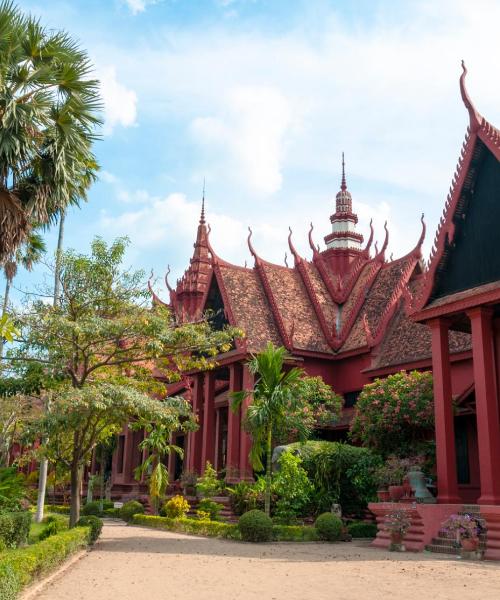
[135, 563]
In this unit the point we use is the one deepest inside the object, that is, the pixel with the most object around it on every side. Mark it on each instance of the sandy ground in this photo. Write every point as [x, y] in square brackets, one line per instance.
[135, 563]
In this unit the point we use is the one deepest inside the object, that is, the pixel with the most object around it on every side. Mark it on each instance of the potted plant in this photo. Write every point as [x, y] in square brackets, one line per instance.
[382, 477]
[466, 529]
[396, 471]
[189, 479]
[397, 524]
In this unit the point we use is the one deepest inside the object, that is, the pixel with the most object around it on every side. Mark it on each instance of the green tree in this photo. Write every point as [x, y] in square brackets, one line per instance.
[277, 394]
[103, 331]
[49, 114]
[27, 255]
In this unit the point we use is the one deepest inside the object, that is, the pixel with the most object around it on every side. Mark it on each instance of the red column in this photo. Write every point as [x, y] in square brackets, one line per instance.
[128, 452]
[233, 426]
[446, 462]
[208, 443]
[246, 471]
[171, 459]
[487, 415]
[193, 458]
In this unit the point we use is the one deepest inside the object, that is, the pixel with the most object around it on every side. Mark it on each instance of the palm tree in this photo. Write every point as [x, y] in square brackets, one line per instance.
[49, 112]
[158, 446]
[27, 255]
[276, 395]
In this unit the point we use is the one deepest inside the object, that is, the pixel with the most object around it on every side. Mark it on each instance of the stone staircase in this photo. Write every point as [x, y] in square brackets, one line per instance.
[445, 542]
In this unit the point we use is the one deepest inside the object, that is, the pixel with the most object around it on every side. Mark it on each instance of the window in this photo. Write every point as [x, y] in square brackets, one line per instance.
[350, 398]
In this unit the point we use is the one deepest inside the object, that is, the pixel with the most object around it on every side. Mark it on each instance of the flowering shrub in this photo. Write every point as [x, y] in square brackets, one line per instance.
[397, 522]
[463, 526]
[292, 487]
[396, 414]
[175, 508]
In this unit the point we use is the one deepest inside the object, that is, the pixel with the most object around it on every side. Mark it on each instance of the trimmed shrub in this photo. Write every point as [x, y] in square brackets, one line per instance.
[131, 508]
[56, 508]
[329, 527]
[19, 567]
[295, 533]
[112, 513]
[255, 526]
[95, 525]
[209, 508]
[15, 528]
[176, 508]
[94, 507]
[362, 530]
[193, 526]
[53, 527]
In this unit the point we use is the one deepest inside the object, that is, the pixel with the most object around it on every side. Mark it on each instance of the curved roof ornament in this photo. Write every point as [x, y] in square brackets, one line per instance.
[169, 287]
[292, 247]
[370, 239]
[311, 243]
[474, 116]
[286, 260]
[156, 298]
[381, 254]
[422, 235]
[250, 245]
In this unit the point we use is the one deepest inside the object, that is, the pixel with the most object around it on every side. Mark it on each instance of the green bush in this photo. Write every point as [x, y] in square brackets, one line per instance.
[57, 508]
[341, 474]
[193, 526]
[53, 527]
[94, 507]
[112, 513]
[244, 497]
[131, 508]
[359, 529]
[292, 487]
[295, 533]
[12, 489]
[95, 525]
[255, 526]
[329, 527]
[15, 528]
[210, 508]
[176, 508]
[19, 567]
[208, 485]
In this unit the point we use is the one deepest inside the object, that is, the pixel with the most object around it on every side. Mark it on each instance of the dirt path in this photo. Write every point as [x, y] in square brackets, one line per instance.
[135, 563]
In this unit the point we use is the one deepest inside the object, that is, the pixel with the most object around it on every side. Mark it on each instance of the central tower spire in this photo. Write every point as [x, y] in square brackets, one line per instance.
[344, 235]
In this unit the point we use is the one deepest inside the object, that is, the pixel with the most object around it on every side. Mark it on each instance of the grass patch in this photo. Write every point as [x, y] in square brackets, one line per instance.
[37, 528]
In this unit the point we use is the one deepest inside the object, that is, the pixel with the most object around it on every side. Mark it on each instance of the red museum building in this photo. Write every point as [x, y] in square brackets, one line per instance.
[350, 314]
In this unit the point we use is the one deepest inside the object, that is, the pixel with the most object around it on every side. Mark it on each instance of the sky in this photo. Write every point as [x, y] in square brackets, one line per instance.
[259, 98]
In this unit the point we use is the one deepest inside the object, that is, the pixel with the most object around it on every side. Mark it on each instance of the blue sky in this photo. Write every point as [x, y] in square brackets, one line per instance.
[260, 97]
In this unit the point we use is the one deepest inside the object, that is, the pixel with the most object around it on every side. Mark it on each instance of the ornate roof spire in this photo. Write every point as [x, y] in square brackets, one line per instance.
[202, 216]
[475, 117]
[343, 185]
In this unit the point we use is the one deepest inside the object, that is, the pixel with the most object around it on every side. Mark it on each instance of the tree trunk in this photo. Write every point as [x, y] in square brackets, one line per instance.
[76, 484]
[4, 311]
[44, 464]
[269, 466]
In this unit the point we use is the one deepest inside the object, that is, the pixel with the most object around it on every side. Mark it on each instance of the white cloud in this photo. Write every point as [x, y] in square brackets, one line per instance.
[138, 6]
[120, 102]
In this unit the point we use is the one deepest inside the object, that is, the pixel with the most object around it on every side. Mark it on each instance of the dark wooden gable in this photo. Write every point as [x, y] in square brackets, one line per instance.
[473, 259]
[214, 306]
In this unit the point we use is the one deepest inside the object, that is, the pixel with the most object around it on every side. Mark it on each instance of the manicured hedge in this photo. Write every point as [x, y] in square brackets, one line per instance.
[14, 528]
[255, 526]
[57, 508]
[281, 533]
[20, 567]
[196, 526]
[295, 533]
[362, 530]
[112, 513]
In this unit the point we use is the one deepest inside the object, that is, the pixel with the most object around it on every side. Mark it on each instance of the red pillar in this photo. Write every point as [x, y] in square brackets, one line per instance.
[233, 426]
[208, 443]
[487, 414]
[128, 452]
[193, 458]
[446, 462]
[246, 471]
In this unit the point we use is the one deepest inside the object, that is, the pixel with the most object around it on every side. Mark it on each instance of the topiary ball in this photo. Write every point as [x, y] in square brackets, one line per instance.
[255, 526]
[329, 527]
[131, 508]
[95, 525]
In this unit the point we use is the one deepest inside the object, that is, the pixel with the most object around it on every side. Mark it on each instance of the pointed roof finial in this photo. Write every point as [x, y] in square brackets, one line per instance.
[343, 185]
[202, 217]
[474, 116]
